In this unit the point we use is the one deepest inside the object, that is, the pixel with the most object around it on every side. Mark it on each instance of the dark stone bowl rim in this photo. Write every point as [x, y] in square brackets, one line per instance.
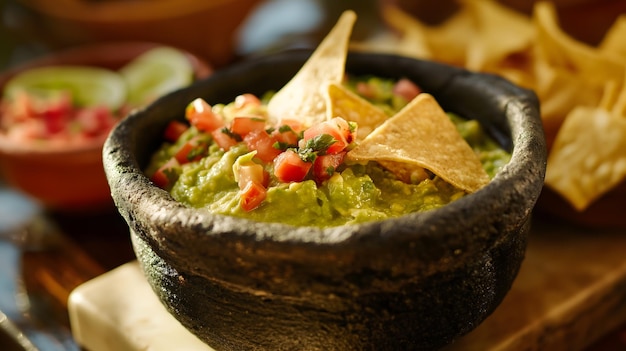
[528, 159]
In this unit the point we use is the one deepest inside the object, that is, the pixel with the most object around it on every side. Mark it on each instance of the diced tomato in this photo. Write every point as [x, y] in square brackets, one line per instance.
[246, 100]
[289, 167]
[27, 130]
[407, 89]
[263, 143]
[338, 128]
[174, 130]
[252, 195]
[200, 115]
[181, 154]
[23, 106]
[251, 172]
[365, 90]
[324, 166]
[287, 132]
[54, 120]
[95, 120]
[57, 113]
[193, 150]
[244, 125]
[224, 140]
[166, 174]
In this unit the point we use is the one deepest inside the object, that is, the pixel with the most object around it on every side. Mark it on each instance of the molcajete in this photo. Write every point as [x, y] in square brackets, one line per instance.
[416, 282]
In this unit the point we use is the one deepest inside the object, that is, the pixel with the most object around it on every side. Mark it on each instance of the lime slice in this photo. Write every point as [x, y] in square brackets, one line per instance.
[155, 73]
[89, 86]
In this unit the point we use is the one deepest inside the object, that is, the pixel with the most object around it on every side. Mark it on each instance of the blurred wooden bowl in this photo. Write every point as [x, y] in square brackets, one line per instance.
[205, 28]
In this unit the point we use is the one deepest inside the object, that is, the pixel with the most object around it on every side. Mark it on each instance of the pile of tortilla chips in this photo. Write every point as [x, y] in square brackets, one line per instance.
[581, 88]
[419, 137]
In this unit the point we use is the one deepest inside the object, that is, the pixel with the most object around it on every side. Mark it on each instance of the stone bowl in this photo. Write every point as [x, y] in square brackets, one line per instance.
[415, 282]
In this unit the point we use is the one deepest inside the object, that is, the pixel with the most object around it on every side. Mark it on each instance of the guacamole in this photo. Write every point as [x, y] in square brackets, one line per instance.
[210, 175]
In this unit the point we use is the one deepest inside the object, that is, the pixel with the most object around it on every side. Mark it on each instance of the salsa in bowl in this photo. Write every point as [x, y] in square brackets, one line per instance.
[229, 159]
[57, 110]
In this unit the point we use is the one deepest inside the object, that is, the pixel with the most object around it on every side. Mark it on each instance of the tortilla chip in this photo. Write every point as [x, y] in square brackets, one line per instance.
[420, 136]
[559, 49]
[413, 41]
[521, 76]
[610, 98]
[302, 98]
[500, 32]
[613, 41]
[344, 103]
[619, 108]
[384, 42]
[578, 85]
[448, 41]
[560, 91]
[587, 158]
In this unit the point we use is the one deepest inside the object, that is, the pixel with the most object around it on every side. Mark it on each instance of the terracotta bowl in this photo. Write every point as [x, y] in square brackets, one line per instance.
[205, 28]
[410, 283]
[70, 179]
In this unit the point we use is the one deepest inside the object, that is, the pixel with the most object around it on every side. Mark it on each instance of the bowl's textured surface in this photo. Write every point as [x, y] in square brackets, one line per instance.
[411, 283]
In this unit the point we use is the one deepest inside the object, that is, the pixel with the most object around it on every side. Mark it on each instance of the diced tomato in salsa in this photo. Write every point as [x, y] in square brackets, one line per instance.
[366, 90]
[263, 143]
[201, 115]
[174, 130]
[288, 132]
[166, 174]
[292, 152]
[243, 126]
[26, 116]
[324, 166]
[95, 120]
[252, 180]
[338, 128]
[407, 89]
[246, 100]
[289, 167]
[57, 113]
[252, 195]
[224, 139]
[193, 150]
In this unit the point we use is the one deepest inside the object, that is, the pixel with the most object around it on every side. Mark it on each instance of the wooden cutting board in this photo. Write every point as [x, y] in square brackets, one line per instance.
[570, 291]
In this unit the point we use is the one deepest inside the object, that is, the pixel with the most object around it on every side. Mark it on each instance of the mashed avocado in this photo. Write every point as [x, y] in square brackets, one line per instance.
[352, 194]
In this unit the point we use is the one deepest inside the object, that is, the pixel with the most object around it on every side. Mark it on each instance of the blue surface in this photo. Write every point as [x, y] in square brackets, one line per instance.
[16, 216]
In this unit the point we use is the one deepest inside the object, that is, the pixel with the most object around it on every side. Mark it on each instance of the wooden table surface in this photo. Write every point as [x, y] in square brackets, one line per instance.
[570, 293]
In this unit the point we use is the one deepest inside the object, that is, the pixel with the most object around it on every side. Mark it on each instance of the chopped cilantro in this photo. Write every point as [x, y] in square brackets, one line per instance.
[316, 146]
[230, 133]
